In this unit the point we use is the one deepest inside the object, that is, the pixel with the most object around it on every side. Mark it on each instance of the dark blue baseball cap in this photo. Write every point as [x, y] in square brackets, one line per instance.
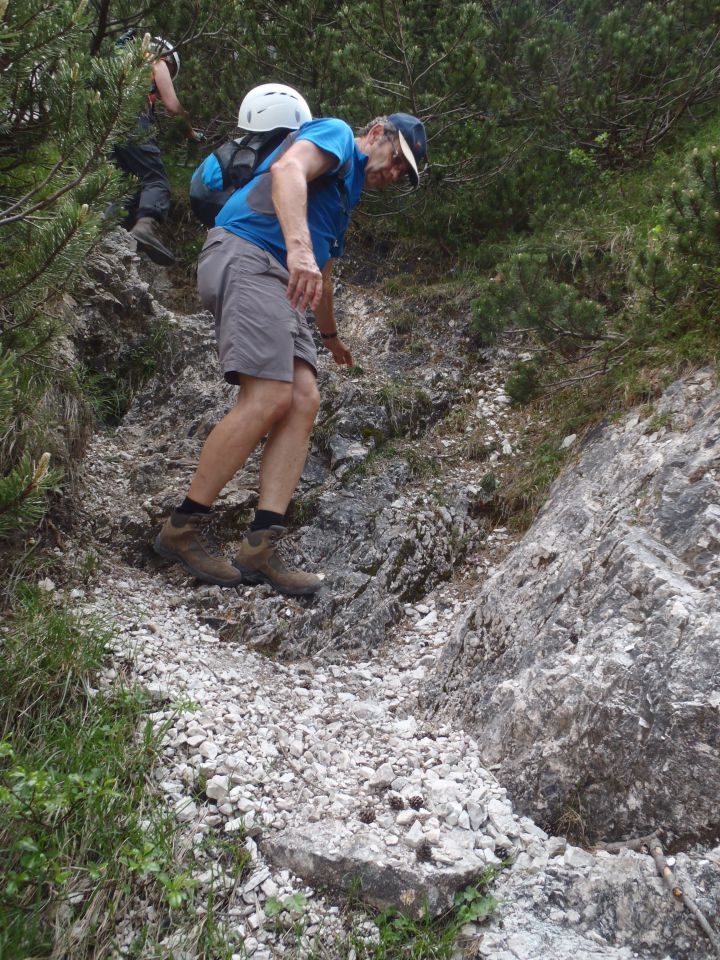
[413, 142]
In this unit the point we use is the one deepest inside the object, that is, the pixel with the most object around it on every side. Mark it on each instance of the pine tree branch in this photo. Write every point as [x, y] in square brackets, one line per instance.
[97, 153]
[36, 479]
[37, 188]
[101, 29]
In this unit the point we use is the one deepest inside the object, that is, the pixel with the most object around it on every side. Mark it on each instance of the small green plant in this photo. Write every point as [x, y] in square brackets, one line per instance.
[402, 321]
[419, 346]
[406, 406]
[421, 465]
[478, 446]
[184, 705]
[402, 937]
[658, 421]
[229, 851]
[456, 421]
[294, 904]
[489, 482]
[523, 384]
[474, 904]
[304, 509]
[200, 786]
[88, 566]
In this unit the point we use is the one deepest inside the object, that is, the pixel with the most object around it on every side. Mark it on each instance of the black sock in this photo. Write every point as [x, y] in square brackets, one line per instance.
[192, 506]
[264, 519]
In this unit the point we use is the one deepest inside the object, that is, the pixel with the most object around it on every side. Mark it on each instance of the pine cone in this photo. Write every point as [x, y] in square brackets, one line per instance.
[424, 852]
[416, 802]
[396, 802]
[367, 814]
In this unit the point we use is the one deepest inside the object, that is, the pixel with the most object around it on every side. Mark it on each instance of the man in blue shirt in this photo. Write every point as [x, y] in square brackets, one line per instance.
[268, 258]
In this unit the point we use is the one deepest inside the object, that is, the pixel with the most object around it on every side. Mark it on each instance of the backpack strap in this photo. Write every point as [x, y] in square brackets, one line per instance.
[239, 159]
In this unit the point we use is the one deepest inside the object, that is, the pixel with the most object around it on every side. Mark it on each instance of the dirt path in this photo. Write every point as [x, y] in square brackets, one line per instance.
[322, 765]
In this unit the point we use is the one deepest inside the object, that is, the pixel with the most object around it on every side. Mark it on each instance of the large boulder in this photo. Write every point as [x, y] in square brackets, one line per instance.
[589, 667]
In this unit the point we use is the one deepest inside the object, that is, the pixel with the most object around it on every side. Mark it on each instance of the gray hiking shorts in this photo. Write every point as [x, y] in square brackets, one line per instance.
[258, 333]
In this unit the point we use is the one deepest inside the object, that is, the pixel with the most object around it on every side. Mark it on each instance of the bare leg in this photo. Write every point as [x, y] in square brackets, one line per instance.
[260, 404]
[286, 448]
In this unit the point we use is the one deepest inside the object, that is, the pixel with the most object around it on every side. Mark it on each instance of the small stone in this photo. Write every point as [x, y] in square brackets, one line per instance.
[185, 809]
[556, 846]
[383, 776]
[414, 837]
[476, 813]
[576, 857]
[260, 876]
[217, 788]
[208, 750]
[269, 887]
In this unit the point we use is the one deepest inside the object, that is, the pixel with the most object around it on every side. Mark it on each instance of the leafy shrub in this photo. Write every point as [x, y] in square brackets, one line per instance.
[526, 298]
[524, 383]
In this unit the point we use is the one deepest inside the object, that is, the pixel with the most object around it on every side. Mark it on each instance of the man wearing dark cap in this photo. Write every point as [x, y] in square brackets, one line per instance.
[268, 258]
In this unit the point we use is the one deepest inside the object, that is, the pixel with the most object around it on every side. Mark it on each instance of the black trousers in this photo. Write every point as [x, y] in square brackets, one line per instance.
[143, 161]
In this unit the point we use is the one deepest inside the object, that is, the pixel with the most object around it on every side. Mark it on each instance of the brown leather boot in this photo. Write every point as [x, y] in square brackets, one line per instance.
[258, 561]
[182, 538]
[150, 243]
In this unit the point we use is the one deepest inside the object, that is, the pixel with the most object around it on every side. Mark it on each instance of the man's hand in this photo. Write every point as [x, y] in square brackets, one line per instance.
[340, 353]
[305, 286]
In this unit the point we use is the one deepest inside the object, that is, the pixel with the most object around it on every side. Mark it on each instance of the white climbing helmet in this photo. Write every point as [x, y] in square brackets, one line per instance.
[273, 105]
[167, 51]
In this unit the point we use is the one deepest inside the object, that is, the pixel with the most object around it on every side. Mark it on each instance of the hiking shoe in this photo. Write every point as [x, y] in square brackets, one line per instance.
[150, 243]
[183, 538]
[258, 561]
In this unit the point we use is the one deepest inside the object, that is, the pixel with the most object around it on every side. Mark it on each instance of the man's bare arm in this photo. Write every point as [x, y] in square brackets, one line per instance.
[166, 92]
[291, 174]
[325, 316]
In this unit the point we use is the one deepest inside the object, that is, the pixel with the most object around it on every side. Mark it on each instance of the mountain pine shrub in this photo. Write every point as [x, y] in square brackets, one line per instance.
[61, 111]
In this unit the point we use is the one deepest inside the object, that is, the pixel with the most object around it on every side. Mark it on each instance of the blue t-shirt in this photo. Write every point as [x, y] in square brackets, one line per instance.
[250, 213]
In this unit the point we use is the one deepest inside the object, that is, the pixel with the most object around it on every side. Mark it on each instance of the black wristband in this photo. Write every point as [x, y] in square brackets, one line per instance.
[328, 336]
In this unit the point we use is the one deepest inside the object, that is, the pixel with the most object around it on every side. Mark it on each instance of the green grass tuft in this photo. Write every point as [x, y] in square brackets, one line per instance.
[80, 833]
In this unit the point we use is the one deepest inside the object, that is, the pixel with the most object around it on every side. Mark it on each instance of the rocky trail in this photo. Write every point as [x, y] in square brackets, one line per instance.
[314, 730]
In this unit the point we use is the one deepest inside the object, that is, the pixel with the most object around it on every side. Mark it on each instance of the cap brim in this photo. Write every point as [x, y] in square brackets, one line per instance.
[413, 172]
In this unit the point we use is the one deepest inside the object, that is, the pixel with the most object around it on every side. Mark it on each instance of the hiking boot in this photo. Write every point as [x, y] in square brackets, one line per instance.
[258, 561]
[182, 538]
[150, 243]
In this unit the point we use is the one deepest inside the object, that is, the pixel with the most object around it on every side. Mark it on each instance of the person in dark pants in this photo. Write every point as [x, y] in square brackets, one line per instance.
[142, 158]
